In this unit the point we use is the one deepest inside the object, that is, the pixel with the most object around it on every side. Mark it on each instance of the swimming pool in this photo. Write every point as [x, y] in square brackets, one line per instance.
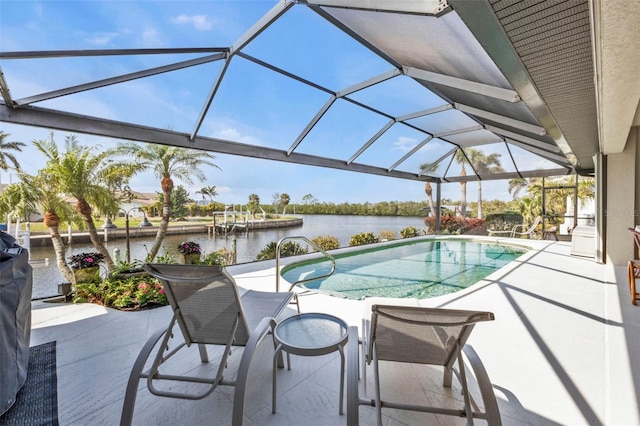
[419, 269]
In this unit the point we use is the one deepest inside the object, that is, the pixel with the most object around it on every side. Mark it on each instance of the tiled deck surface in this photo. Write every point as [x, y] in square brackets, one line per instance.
[562, 350]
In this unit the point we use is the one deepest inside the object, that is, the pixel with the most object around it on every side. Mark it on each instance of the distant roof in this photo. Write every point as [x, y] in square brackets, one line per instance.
[513, 79]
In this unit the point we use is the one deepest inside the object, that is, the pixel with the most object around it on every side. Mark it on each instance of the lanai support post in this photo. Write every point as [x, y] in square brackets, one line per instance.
[439, 212]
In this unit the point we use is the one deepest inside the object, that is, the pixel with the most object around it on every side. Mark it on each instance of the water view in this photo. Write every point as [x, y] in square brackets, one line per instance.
[47, 277]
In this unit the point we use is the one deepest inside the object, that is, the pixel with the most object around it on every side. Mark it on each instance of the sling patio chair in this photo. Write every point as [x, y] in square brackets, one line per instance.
[633, 267]
[518, 230]
[418, 335]
[208, 310]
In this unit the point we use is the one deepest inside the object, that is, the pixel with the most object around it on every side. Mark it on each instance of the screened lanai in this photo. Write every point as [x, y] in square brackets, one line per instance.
[402, 89]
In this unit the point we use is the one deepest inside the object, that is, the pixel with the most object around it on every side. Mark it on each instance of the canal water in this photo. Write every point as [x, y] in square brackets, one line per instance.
[46, 275]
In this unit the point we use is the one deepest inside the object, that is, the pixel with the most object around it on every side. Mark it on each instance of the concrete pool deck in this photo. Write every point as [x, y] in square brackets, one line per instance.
[560, 351]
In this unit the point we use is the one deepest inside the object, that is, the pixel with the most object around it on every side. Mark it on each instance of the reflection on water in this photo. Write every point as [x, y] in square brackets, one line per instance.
[47, 277]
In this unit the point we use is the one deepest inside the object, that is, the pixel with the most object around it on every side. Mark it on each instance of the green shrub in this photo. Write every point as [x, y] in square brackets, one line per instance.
[456, 225]
[362, 239]
[326, 242]
[503, 221]
[410, 232]
[165, 258]
[287, 249]
[387, 235]
[220, 257]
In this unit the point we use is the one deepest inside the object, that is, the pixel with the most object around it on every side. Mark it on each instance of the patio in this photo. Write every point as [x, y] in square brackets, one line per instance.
[559, 352]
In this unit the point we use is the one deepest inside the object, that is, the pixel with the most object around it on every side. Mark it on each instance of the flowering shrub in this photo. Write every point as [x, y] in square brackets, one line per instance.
[455, 225]
[150, 291]
[129, 294]
[189, 247]
[85, 260]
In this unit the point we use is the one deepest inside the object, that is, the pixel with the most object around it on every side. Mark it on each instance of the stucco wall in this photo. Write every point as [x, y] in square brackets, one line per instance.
[622, 210]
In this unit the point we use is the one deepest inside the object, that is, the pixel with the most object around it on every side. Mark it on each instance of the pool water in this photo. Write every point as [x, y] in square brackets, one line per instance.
[406, 270]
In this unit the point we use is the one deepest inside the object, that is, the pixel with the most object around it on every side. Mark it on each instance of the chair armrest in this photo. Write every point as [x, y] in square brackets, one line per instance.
[515, 228]
[267, 324]
[492, 233]
[486, 389]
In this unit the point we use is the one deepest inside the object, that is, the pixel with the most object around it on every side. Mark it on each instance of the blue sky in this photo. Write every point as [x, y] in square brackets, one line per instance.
[252, 106]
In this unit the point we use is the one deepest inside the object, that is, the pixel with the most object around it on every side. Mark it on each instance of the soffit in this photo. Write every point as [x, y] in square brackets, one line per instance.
[617, 47]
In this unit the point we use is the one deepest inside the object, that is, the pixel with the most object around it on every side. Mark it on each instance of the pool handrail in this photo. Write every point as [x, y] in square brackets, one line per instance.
[312, 244]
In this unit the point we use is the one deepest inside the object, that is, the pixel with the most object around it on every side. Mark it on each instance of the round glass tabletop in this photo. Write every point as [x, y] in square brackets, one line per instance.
[311, 331]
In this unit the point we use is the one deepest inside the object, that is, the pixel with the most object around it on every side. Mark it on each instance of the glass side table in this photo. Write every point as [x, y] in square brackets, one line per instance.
[310, 334]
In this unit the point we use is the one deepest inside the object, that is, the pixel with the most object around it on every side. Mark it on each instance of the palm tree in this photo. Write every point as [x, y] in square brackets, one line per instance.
[484, 164]
[5, 155]
[166, 162]
[429, 168]
[78, 172]
[516, 185]
[208, 191]
[530, 208]
[254, 204]
[16, 201]
[55, 210]
[284, 202]
[461, 159]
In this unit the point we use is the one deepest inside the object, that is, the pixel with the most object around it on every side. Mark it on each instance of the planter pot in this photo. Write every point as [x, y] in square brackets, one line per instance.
[189, 259]
[64, 289]
[86, 275]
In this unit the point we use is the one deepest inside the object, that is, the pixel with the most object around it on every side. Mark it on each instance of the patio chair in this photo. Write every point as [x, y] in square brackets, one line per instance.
[633, 267]
[208, 310]
[417, 335]
[518, 230]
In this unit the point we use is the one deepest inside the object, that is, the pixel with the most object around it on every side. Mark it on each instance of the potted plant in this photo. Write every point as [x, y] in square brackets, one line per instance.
[86, 266]
[189, 252]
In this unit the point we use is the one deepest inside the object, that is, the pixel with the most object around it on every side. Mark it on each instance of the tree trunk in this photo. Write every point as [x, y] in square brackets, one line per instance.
[479, 200]
[97, 242]
[164, 223]
[85, 210]
[61, 262]
[429, 191]
[463, 194]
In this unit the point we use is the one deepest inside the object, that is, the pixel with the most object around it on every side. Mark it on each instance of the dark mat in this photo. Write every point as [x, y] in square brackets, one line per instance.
[37, 401]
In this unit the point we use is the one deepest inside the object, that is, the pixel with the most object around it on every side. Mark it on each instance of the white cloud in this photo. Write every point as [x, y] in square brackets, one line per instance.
[101, 39]
[150, 36]
[234, 135]
[404, 143]
[199, 22]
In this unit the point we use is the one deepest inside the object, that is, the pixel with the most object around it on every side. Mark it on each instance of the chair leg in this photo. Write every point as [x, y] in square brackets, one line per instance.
[204, 357]
[465, 390]
[353, 371]
[632, 272]
[376, 385]
[448, 376]
[341, 409]
[135, 376]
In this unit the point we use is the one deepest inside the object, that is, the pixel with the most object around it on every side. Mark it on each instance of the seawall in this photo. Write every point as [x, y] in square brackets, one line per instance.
[43, 239]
